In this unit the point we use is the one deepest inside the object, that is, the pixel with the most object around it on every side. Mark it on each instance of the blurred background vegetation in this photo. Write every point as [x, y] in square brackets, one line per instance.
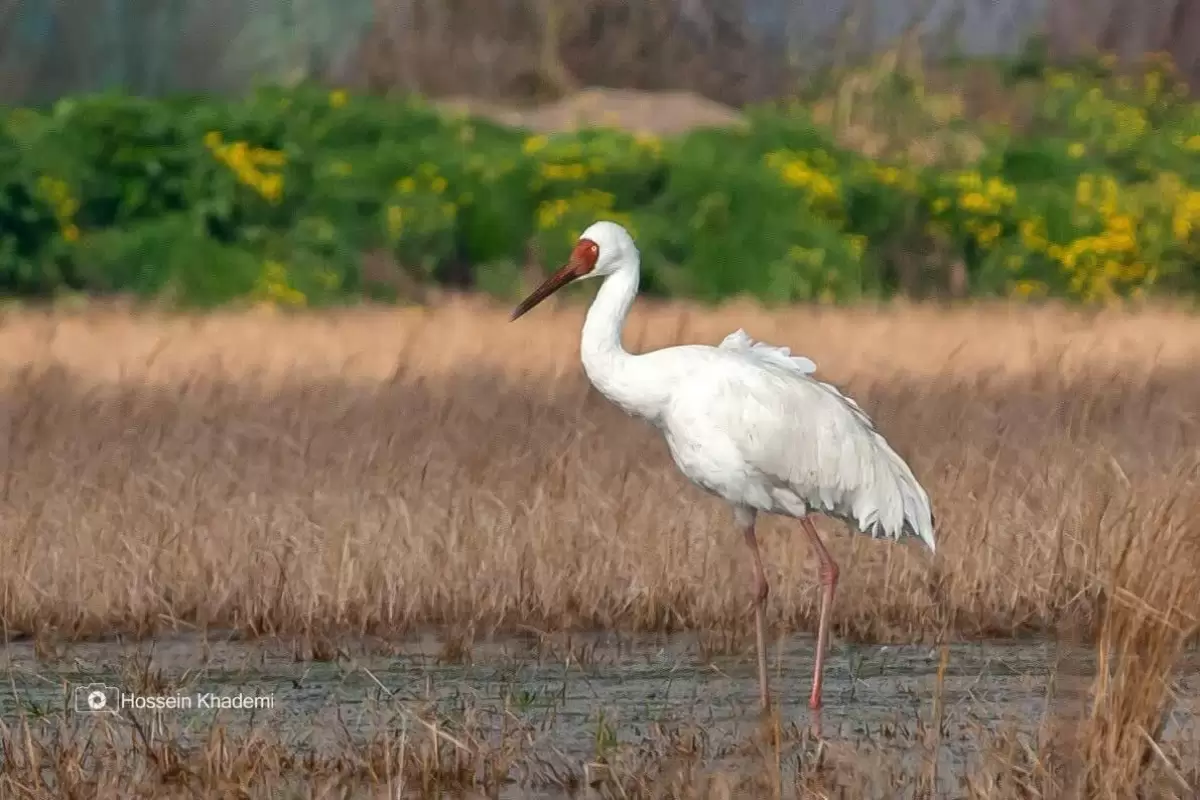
[294, 152]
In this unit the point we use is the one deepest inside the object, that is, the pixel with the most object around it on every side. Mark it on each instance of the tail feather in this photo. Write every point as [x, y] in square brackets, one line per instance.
[918, 519]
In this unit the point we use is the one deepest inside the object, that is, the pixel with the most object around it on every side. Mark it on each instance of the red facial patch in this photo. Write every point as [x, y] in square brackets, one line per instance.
[584, 257]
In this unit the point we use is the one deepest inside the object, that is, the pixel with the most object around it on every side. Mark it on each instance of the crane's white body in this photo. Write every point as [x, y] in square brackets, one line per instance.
[747, 421]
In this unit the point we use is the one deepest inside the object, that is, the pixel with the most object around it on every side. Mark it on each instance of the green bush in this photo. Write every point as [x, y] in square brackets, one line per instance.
[279, 197]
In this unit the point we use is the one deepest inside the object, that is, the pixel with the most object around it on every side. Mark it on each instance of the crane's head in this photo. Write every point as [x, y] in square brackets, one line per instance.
[602, 249]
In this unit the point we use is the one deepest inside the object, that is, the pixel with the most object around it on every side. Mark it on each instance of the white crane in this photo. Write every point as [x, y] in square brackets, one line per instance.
[748, 422]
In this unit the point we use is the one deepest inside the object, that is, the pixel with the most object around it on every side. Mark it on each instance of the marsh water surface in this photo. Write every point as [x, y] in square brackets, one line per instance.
[579, 695]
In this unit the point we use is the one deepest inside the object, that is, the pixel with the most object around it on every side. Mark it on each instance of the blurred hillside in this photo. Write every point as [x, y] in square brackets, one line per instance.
[733, 51]
[1019, 149]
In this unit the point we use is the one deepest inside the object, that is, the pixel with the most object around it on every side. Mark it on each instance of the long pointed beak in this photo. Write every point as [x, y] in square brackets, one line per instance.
[551, 285]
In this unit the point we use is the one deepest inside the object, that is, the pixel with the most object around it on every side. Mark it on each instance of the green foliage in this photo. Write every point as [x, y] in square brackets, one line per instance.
[277, 197]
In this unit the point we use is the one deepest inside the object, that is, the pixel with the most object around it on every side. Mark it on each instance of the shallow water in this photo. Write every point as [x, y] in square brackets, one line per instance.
[580, 694]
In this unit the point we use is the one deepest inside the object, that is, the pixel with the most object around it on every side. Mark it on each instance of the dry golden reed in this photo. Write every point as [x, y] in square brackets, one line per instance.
[373, 470]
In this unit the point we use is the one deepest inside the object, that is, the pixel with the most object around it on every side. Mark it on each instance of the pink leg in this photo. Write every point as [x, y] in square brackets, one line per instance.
[761, 590]
[829, 579]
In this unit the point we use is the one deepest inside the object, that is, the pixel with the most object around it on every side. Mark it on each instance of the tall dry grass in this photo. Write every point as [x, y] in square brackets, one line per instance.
[369, 471]
[372, 471]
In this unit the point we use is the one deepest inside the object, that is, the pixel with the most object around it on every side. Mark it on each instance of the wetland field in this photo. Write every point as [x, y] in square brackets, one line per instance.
[454, 570]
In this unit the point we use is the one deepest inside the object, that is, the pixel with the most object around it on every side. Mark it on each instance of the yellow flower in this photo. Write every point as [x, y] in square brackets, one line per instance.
[57, 194]
[588, 203]
[891, 175]
[858, 244]
[887, 175]
[1076, 150]
[329, 279]
[550, 212]
[337, 98]
[975, 202]
[796, 171]
[272, 286]
[1024, 289]
[267, 158]
[648, 141]
[244, 161]
[809, 256]
[988, 234]
[1033, 234]
[270, 187]
[1083, 190]
[969, 180]
[556, 172]
[1109, 191]
[1000, 191]
[1131, 123]
[1152, 82]
[395, 221]
[1186, 216]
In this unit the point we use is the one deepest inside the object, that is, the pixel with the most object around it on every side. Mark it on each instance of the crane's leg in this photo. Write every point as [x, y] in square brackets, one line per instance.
[829, 578]
[761, 590]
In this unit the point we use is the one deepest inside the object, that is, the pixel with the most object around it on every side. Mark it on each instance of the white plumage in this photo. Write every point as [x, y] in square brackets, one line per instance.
[803, 446]
[746, 421]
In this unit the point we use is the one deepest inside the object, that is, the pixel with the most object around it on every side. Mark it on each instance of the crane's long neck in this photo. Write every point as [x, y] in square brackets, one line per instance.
[606, 317]
[610, 368]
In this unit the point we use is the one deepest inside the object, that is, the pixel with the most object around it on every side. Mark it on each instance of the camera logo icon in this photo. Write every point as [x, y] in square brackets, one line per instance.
[96, 698]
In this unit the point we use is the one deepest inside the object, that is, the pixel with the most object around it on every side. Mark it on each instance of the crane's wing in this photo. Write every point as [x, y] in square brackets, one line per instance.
[831, 456]
[803, 446]
[740, 342]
